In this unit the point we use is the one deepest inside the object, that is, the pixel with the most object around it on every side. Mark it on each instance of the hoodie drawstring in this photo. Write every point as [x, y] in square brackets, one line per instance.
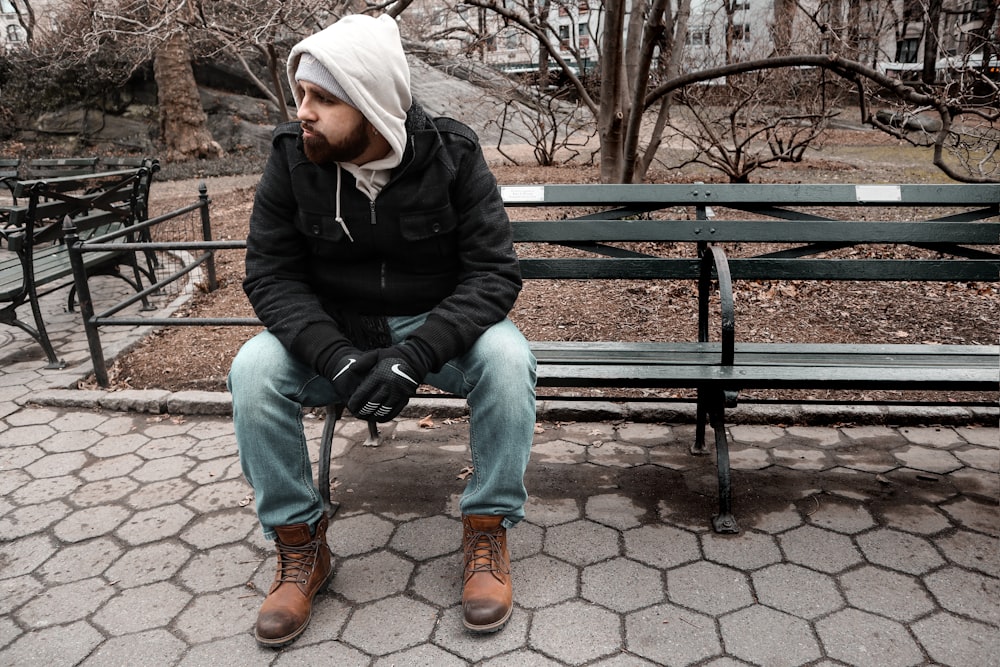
[343, 225]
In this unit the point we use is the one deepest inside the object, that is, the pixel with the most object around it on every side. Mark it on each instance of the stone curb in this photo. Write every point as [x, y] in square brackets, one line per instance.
[156, 401]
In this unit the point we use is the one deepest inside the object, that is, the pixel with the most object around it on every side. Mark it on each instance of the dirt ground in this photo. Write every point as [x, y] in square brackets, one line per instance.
[180, 358]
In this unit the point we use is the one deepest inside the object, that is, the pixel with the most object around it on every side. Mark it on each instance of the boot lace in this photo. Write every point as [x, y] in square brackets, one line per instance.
[483, 552]
[295, 564]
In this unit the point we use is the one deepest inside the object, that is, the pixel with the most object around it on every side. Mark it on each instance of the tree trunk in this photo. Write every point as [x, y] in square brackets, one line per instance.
[611, 113]
[183, 123]
[932, 22]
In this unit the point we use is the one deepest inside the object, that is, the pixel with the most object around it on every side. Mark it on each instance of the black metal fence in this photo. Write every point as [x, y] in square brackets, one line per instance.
[170, 262]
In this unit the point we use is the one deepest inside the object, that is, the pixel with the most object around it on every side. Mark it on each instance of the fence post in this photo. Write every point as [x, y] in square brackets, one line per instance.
[206, 233]
[85, 301]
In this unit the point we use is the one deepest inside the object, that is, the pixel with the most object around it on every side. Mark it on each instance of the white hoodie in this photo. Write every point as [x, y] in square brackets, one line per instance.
[364, 54]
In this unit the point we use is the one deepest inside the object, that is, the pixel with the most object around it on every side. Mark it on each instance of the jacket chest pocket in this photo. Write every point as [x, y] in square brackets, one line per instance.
[430, 224]
[320, 226]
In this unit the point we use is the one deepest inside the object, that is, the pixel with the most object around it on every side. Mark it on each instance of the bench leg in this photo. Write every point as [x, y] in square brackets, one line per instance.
[724, 521]
[698, 448]
[39, 333]
[334, 412]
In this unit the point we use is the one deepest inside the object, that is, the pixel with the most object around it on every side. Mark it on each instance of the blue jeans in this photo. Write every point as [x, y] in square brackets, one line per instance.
[270, 388]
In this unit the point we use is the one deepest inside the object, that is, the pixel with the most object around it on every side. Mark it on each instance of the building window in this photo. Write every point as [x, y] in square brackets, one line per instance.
[906, 50]
[737, 6]
[583, 29]
[697, 37]
[741, 33]
[584, 7]
[564, 32]
[513, 40]
[13, 33]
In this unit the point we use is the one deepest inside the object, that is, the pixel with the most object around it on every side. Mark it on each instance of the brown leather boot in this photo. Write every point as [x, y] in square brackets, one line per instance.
[303, 570]
[487, 595]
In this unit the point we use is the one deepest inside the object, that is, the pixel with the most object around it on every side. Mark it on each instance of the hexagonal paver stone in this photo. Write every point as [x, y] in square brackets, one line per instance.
[218, 615]
[669, 635]
[708, 588]
[143, 608]
[927, 459]
[581, 542]
[24, 555]
[955, 641]
[148, 564]
[428, 538]
[154, 524]
[796, 590]
[968, 593]
[220, 568]
[914, 518]
[558, 451]
[439, 580]
[90, 522]
[843, 517]
[747, 551]
[617, 454]
[866, 640]
[542, 580]
[327, 653]
[358, 534]
[615, 510]
[975, 515]
[31, 519]
[166, 468]
[661, 546]
[219, 528]
[819, 549]
[64, 645]
[371, 577]
[56, 465]
[220, 495]
[452, 636]
[779, 520]
[972, 550]
[155, 647]
[80, 561]
[575, 632]
[65, 603]
[551, 511]
[426, 654]
[390, 625]
[891, 594]
[801, 458]
[899, 551]
[622, 585]
[44, 490]
[766, 636]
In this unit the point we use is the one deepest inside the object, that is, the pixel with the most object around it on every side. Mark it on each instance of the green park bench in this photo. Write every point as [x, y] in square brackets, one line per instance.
[717, 237]
[33, 256]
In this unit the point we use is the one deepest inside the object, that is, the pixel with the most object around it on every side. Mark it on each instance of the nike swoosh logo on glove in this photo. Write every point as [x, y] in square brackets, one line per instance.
[399, 371]
[350, 362]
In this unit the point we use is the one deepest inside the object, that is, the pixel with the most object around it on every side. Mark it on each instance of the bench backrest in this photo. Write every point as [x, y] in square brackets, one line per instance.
[92, 200]
[783, 231]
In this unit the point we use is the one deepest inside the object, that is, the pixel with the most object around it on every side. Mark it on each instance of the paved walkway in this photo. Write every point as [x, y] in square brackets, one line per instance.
[128, 537]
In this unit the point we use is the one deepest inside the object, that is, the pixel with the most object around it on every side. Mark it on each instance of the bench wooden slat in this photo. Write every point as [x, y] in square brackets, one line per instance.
[751, 195]
[763, 269]
[755, 231]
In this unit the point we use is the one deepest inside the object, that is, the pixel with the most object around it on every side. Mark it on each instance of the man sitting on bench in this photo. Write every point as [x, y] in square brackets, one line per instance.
[379, 257]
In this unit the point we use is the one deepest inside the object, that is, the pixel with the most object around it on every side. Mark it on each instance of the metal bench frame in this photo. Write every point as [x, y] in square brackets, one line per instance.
[719, 369]
[98, 203]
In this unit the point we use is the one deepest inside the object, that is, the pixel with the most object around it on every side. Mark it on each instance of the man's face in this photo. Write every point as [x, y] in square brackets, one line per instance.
[332, 130]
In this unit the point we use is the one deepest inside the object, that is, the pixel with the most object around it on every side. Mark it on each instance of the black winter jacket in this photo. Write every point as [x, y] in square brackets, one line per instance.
[436, 239]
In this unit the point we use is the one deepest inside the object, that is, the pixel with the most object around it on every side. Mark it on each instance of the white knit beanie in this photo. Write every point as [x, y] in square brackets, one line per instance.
[312, 70]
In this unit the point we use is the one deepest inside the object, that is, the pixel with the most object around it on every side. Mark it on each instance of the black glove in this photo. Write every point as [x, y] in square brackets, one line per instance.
[348, 370]
[389, 386]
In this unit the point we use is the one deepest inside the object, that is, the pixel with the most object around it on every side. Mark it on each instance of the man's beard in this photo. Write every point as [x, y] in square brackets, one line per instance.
[319, 150]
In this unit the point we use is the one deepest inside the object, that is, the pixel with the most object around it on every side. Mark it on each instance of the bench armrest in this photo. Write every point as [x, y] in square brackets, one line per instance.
[715, 257]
